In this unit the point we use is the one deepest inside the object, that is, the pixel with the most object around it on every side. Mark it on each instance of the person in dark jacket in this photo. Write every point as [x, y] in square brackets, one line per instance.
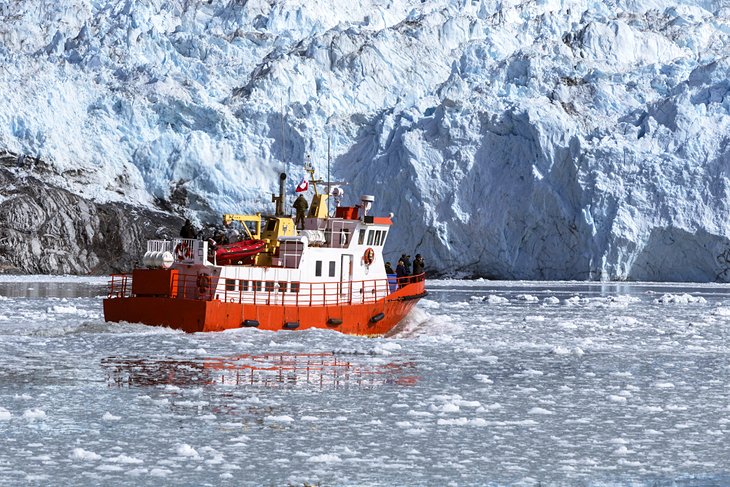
[301, 205]
[188, 230]
[419, 265]
[401, 273]
[389, 268]
[406, 262]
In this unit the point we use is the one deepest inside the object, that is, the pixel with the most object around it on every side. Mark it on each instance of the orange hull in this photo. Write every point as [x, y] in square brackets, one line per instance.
[196, 315]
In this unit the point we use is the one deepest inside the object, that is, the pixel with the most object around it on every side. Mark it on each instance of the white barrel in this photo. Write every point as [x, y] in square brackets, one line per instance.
[166, 260]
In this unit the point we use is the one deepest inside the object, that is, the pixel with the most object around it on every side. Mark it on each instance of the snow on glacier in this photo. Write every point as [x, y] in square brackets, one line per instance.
[513, 138]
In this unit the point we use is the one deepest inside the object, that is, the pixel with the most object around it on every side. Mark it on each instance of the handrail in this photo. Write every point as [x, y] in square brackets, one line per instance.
[294, 293]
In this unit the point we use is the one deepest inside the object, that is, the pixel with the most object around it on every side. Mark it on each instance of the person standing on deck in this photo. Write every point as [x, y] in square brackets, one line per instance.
[188, 231]
[419, 265]
[301, 205]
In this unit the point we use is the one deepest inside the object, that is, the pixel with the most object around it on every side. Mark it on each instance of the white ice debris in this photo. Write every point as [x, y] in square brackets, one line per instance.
[185, 450]
[5, 415]
[84, 455]
[110, 417]
[279, 419]
[494, 299]
[539, 410]
[34, 414]
[324, 458]
[683, 298]
[553, 139]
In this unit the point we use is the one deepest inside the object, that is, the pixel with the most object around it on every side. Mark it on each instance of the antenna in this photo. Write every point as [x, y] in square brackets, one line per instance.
[329, 162]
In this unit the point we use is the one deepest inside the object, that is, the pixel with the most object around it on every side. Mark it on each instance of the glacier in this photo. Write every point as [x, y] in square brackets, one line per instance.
[528, 139]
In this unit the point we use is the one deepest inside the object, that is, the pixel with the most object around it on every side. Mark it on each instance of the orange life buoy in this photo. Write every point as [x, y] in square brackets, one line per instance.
[182, 251]
[369, 256]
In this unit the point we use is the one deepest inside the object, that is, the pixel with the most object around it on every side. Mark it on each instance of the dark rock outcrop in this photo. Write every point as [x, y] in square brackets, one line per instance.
[48, 230]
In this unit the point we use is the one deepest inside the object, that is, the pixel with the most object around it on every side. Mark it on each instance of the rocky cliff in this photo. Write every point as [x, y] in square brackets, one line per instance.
[48, 230]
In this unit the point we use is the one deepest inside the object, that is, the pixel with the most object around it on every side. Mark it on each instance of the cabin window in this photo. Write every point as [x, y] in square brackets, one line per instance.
[271, 226]
[371, 235]
[243, 285]
[294, 287]
[333, 266]
[269, 286]
[257, 286]
[361, 237]
[230, 284]
[318, 268]
[282, 286]
[382, 237]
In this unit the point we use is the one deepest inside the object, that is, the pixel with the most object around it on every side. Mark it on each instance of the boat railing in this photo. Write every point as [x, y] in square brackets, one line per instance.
[271, 292]
[119, 286]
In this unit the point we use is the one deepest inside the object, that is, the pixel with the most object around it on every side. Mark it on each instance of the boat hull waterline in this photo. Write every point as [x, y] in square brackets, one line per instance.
[191, 315]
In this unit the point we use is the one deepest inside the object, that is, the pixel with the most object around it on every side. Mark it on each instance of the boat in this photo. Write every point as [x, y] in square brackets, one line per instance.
[239, 252]
[327, 274]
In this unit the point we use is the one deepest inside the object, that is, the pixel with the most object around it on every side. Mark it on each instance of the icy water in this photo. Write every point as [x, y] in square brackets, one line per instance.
[486, 384]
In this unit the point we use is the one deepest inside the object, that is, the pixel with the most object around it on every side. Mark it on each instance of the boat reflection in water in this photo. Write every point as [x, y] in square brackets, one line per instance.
[317, 370]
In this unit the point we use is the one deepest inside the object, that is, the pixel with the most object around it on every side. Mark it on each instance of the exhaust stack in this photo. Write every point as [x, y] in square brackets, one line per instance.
[280, 199]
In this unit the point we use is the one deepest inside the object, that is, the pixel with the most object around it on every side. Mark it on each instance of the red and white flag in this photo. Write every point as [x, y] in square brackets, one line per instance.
[303, 185]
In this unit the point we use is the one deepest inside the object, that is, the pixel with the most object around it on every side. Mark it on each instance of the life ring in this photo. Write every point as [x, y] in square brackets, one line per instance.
[182, 251]
[203, 283]
[369, 256]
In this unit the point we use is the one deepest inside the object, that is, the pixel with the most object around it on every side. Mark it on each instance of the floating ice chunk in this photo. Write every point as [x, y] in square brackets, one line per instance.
[468, 404]
[663, 385]
[34, 414]
[650, 409]
[450, 408]
[528, 298]
[424, 414]
[110, 417]
[160, 472]
[721, 311]
[680, 299]
[5, 415]
[617, 398]
[493, 299]
[125, 459]
[136, 472]
[551, 300]
[622, 450]
[529, 373]
[310, 418]
[84, 455]
[491, 359]
[278, 419]
[452, 422]
[539, 410]
[325, 458]
[483, 378]
[185, 450]
[386, 348]
[560, 350]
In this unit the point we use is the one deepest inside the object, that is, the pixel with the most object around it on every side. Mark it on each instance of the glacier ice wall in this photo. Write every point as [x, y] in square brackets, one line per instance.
[536, 139]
